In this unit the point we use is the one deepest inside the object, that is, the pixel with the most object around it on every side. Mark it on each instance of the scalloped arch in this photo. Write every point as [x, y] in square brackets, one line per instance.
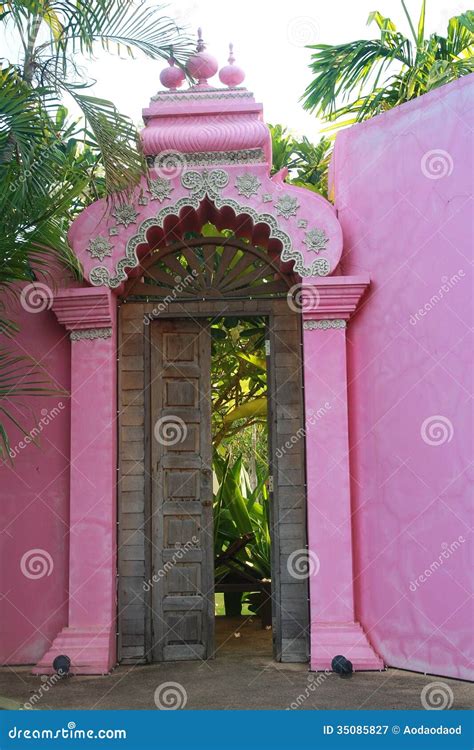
[100, 275]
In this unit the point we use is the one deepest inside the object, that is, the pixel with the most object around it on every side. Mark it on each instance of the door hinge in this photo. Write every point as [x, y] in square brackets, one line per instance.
[267, 347]
[270, 483]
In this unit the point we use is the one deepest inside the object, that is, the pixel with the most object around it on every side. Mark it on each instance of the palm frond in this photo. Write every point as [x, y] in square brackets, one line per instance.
[359, 79]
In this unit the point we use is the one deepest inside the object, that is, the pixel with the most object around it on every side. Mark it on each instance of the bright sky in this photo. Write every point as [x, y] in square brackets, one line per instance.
[269, 38]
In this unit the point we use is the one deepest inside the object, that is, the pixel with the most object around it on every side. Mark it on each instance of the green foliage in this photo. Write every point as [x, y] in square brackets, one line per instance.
[238, 379]
[50, 167]
[241, 511]
[359, 79]
[238, 382]
[307, 163]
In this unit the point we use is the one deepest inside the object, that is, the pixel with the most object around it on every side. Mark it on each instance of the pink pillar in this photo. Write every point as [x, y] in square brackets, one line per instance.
[89, 638]
[327, 306]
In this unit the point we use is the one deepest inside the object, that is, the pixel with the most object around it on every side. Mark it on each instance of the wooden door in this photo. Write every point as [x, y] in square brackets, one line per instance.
[182, 597]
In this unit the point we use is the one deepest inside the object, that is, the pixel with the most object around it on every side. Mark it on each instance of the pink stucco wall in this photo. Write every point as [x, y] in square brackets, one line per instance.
[34, 502]
[403, 188]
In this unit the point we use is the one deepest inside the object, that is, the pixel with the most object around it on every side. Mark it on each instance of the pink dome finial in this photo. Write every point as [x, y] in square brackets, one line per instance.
[172, 77]
[202, 65]
[231, 75]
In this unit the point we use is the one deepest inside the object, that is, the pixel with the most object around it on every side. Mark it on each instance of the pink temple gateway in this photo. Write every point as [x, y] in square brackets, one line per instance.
[367, 496]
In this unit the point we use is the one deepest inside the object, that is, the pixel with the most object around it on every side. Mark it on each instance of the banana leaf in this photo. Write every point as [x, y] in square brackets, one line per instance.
[241, 511]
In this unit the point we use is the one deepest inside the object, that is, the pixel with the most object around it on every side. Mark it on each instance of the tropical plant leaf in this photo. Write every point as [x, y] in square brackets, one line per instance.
[368, 76]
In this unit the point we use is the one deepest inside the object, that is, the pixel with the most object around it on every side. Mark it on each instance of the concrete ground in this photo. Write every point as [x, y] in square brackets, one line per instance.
[242, 676]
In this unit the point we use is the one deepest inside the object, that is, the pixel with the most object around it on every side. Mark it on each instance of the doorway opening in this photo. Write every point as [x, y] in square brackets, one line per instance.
[242, 494]
[185, 290]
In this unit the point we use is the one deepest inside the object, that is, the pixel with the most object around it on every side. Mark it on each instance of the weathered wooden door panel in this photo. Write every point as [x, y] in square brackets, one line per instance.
[181, 472]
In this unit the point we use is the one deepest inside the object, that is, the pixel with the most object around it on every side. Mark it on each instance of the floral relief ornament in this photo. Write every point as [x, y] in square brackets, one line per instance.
[316, 240]
[247, 184]
[125, 214]
[205, 183]
[160, 189]
[287, 206]
[99, 247]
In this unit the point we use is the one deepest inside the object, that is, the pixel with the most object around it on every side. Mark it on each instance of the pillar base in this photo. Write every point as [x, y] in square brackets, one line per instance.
[348, 639]
[91, 650]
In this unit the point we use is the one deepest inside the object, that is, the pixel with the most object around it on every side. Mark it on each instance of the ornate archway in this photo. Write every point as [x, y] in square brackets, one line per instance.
[210, 159]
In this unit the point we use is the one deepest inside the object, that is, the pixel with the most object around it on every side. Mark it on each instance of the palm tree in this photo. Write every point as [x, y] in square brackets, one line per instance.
[363, 78]
[50, 167]
[306, 162]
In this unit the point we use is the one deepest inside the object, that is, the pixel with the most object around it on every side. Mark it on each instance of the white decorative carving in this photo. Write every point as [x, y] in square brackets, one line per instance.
[99, 247]
[316, 240]
[90, 334]
[214, 158]
[247, 184]
[125, 214]
[205, 183]
[207, 93]
[160, 189]
[287, 206]
[324, 324]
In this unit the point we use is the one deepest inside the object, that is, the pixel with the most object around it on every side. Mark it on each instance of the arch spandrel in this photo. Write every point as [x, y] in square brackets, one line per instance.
[107, 240]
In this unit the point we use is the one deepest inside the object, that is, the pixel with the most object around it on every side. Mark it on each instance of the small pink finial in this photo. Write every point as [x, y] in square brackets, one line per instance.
[202, 65]
[231, 75]
[172, 77]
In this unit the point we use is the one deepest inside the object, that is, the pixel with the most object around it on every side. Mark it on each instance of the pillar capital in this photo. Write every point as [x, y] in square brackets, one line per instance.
[329, 301]
[86, 312]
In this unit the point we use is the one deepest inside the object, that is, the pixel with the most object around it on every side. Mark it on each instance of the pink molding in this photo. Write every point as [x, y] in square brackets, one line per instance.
[89, 638]
[334, 630]
[332, 297]
[84, 308]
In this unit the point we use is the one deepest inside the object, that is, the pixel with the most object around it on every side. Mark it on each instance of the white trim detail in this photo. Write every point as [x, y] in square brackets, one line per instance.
[309, 325]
